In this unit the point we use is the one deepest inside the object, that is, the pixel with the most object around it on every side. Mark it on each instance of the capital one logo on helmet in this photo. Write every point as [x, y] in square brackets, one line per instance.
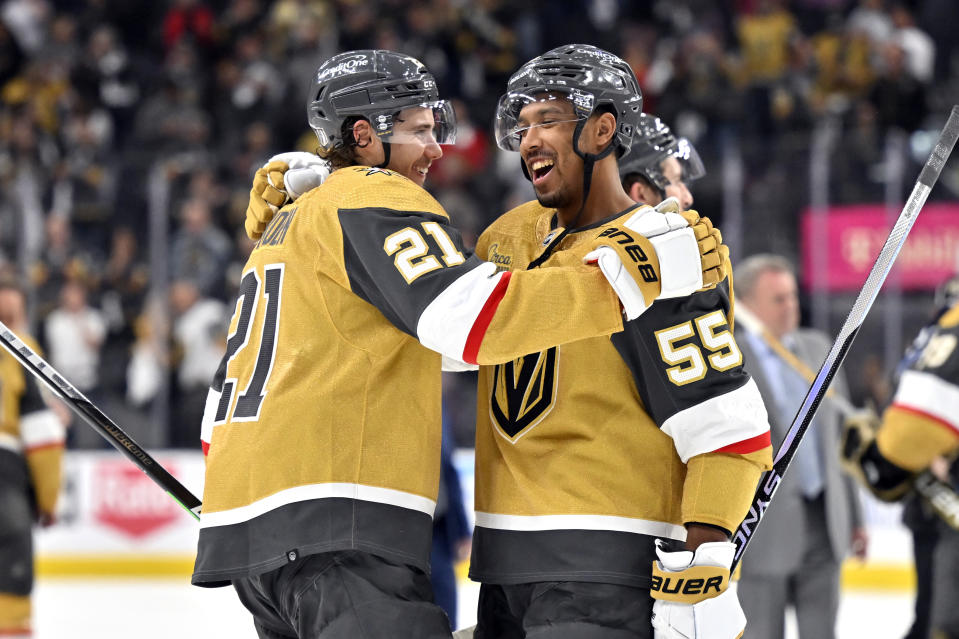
[343, 68]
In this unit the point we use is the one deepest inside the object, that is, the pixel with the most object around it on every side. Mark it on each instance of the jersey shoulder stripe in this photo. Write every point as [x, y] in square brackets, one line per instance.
[925, 392]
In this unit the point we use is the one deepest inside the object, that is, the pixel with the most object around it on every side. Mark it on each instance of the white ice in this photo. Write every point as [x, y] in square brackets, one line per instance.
[161, 609]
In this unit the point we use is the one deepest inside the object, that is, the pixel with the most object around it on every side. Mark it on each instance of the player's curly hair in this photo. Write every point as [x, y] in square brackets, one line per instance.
[344, 155]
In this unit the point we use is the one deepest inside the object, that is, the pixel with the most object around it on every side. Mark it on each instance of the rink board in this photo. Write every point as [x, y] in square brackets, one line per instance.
[114, 522]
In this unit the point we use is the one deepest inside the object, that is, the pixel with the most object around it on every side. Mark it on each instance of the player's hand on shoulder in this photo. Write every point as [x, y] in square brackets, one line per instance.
[283, 179]
[306, 172]
[713, 253]
[692, 594]
[861, 458]
[688, 255]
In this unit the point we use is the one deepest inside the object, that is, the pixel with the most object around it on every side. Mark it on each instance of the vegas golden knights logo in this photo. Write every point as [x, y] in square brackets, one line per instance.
[524, 391]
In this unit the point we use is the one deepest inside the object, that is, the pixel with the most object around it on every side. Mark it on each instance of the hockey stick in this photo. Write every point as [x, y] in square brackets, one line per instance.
[98, 420]
[940, 496]
[890, 250]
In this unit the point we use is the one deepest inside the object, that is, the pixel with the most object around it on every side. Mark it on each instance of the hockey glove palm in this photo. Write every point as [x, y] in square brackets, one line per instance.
[656, 255]
[860, 457]
[282, 179]
[692, 595]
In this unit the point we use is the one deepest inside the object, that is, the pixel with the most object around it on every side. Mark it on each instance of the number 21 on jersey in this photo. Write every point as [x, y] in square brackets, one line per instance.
[411, 252]
[247, 408]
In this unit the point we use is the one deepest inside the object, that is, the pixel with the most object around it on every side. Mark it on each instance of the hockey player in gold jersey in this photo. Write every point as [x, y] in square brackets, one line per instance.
[589, 452]
[659, 165]
[31, 452]
[921, 425]
[322, 427]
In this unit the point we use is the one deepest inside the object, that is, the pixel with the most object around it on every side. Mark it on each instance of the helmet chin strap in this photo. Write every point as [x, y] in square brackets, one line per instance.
[589, 160]
[386, 156]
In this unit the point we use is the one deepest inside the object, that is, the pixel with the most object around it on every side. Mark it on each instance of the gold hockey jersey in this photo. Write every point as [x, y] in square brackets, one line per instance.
[587, 452]
[28, 428]
[923, 420]
[322, 427]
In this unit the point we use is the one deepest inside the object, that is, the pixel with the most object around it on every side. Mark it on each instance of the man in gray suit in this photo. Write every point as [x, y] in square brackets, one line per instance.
[815, 519]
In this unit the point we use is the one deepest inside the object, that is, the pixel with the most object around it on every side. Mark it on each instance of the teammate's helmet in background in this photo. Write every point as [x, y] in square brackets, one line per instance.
[947, 293]
[653, 143]
[375, 85]
[588, 77]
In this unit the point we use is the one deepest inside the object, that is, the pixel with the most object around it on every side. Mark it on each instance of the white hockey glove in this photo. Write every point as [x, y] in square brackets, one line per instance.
[307, 171]
[282, 179]
[692, 596]
[654, 256]
[714, 254]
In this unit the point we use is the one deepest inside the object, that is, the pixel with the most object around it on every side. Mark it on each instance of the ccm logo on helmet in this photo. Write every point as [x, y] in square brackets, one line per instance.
[679, 585]
[343, 68]
[632, 249]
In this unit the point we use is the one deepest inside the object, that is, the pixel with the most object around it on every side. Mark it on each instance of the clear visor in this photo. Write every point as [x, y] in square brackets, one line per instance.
[427, 123]
[693, 167]
[545, 109]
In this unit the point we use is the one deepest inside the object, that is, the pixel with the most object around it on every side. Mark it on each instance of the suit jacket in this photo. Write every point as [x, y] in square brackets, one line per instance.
[776, 548]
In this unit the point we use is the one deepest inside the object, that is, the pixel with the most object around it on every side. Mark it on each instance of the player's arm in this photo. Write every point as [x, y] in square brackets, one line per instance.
[689, 373]
[412, 266]
[922, 422]
[43, 436]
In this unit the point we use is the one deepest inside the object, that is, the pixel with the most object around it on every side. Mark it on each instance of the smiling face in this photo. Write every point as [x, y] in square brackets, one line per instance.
[546, 148]
[414, 146]
[672, 170]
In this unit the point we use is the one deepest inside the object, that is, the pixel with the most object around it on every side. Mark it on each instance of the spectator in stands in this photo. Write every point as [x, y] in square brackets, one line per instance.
[898, 96]
[74, 333]
[917, 46]
[190, 20]
[199, 250]
[200, 342]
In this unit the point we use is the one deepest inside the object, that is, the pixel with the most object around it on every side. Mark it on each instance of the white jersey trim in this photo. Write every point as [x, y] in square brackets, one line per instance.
[717, 422]
[445, 324]
[11, 443]
[528, 523]
[930, 394]
[317, 491]
[41, 428]
[209, 415]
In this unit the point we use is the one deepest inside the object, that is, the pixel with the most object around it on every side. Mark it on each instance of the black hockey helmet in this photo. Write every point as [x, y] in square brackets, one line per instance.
[947, 293]
[375, 85]
[653, 143]
[589, 77]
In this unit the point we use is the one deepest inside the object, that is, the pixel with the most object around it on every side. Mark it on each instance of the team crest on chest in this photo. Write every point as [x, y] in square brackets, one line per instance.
[524, 392]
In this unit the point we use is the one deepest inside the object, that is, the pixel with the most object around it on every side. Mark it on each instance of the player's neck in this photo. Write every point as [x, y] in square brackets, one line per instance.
[606, 197]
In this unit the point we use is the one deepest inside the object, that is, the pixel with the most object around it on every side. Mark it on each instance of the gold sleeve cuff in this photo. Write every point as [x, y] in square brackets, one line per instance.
[719, 487]
[911, 440]
[45, 472]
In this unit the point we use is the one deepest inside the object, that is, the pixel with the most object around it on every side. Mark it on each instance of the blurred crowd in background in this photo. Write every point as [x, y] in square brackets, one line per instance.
[130, 132]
